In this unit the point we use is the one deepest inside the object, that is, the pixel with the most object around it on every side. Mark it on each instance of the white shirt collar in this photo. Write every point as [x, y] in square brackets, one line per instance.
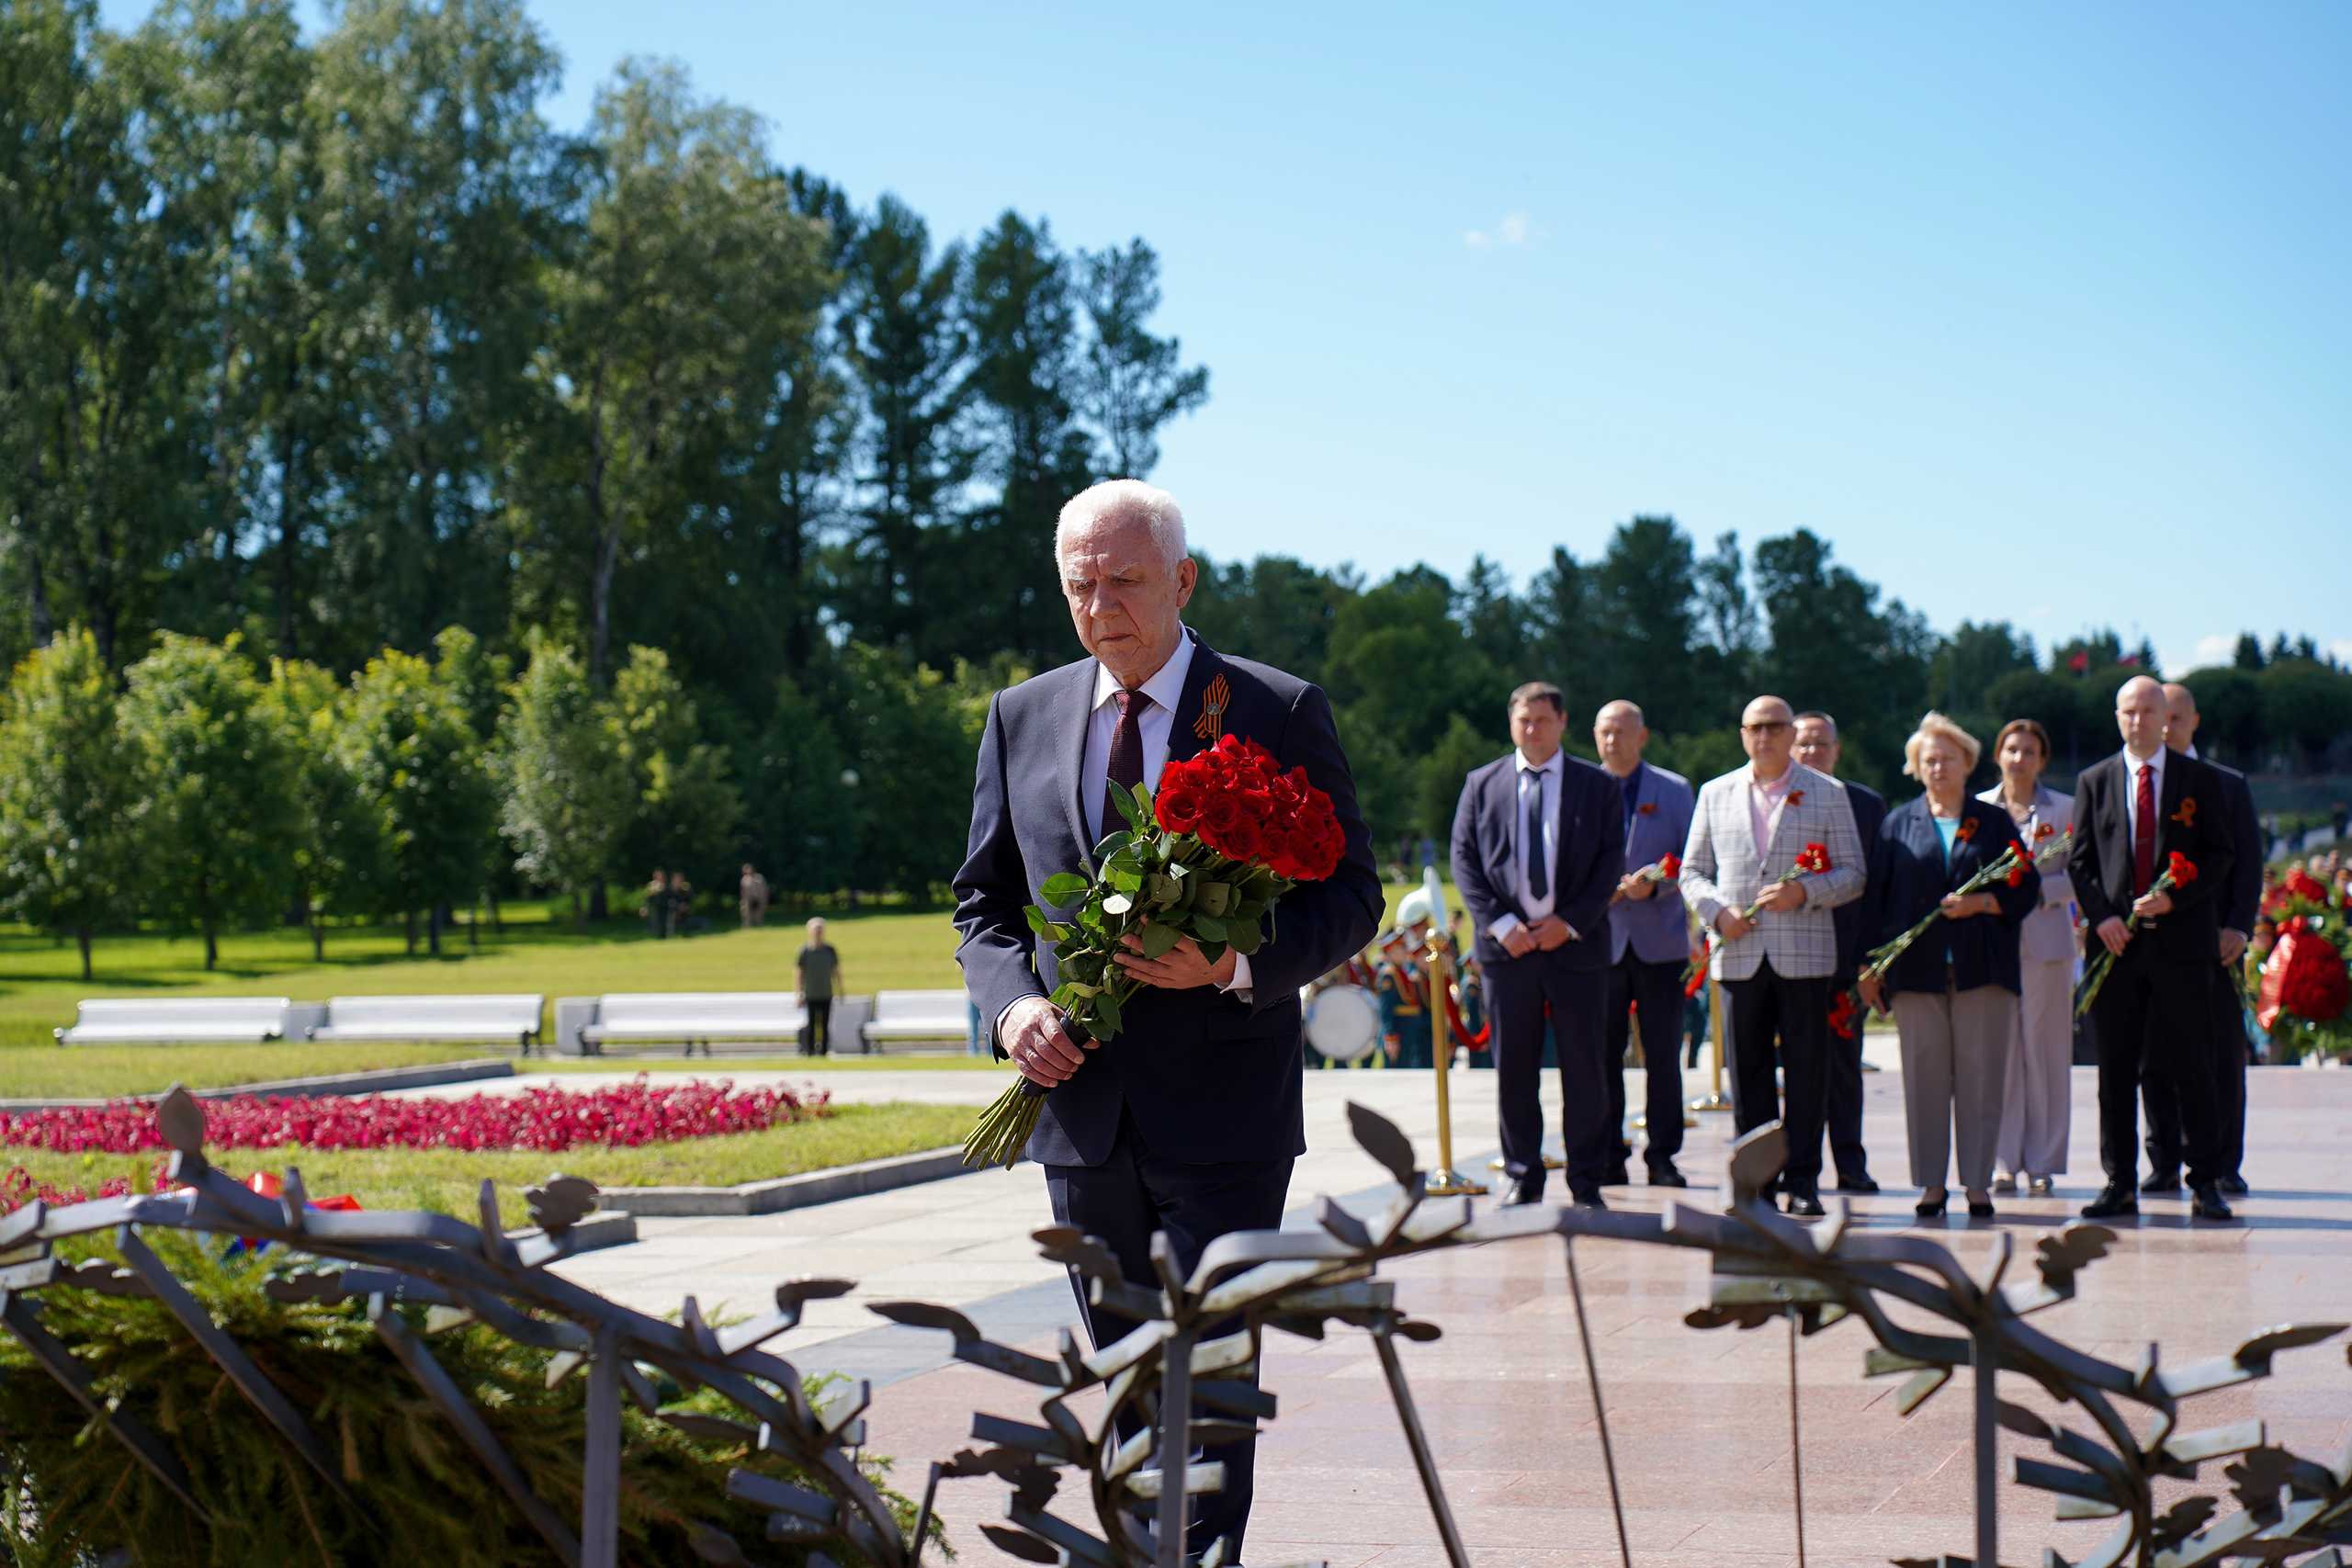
[2190, 752]
[2132, 765]
[1549, 765]
[1788, 777]
[1166, 686]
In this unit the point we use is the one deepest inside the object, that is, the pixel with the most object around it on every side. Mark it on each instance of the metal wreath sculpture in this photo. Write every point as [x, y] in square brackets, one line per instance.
[1188, 1376]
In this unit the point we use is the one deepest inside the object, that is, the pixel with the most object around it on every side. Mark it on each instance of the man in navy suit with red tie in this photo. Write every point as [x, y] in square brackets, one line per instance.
[2133, 812]
[1539, 845]
[1187, 1121]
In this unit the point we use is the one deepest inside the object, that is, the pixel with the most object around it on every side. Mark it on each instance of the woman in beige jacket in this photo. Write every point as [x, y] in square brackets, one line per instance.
[2037, 1097]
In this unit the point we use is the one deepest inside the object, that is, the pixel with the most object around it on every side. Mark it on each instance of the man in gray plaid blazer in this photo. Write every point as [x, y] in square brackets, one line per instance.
[1746, 834]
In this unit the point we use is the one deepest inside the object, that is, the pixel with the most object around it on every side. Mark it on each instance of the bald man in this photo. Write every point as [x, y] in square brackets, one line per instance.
[2133, 812]
[2229, 1018]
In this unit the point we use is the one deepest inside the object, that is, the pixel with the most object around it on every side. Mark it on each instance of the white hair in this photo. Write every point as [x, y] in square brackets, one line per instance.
[1153, 507]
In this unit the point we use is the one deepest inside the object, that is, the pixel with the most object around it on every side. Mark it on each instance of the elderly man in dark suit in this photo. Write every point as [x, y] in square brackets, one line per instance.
[1818, 748]
[1188, 1120]
[1539, 845]
[2133, 812]
[2156, 1094]
[1648, 943]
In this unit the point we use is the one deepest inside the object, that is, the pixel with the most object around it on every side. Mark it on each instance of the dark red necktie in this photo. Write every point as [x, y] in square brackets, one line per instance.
[2143, 833]
[1126, 757]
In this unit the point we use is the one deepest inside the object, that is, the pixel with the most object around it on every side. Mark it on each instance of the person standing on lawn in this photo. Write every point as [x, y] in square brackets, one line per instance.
[821, 982]
[751, 894]
[1187, 1121]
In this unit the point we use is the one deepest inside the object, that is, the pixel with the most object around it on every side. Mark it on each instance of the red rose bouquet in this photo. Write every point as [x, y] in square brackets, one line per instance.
[2179, 872]
[1208, 857]
[2305, 976]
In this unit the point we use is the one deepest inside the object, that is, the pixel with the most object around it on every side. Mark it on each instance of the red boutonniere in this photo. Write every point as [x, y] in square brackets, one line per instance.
[1795, 796]
[1647, 808]
[2186, 814]
[1966, 831]
[2043, 831]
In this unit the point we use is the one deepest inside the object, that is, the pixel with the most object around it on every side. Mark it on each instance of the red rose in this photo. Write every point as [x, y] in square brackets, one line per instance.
[1219, 811]
[1178, 805]
[1256, 805]
[1241, 842]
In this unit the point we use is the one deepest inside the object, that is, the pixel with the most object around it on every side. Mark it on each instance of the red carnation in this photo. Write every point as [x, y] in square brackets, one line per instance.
[1841, 1015]
[2017, 872]
[2180, 870]
[1671, 867]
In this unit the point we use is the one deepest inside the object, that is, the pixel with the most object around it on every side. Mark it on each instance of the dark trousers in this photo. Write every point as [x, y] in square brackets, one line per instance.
[1122, 1200]
[2156, 1022]
[1846, 1092]
[818, 1039]
[1655, 993]
[1517, 992]
[1769, 1006]
[2163, 1105]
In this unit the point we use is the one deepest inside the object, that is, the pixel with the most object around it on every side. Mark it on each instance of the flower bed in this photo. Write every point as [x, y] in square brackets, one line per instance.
[543, 1120]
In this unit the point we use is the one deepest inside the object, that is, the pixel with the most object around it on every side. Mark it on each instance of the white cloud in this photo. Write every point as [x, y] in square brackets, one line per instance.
[2342, 650]
[1514, 229]
[2210, 650]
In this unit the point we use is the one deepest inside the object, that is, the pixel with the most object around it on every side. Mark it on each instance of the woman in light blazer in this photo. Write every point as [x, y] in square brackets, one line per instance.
[2037, 1096]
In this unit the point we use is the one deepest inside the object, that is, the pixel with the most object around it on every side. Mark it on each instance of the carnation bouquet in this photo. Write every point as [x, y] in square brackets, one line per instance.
[1813, 860]
[2010, 869]
[2178, 873]
[1208, 857]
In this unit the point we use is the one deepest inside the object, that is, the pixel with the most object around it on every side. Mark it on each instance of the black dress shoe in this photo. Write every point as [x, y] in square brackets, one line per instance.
[1524, 1192]
[1666, 1175]
[1859, 1182]
[1931, 1208]
[2162, 1181]
[2115, 1199]
[1616, 1176]
[1587, 1197]
[2205, 1202]
[1980, 1209]
[2233, 1185]
[1805, 1205]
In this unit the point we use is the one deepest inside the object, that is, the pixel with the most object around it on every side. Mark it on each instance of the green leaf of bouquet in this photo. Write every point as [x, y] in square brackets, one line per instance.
[1213, 898]
[1213, 950]
[1126, 879]
[1158, 938]
[1207, 928]
[1063, 887]
[1107, 1010]
[1110, 846]
[1243, 935]
[1136, 808]
[1036, 918]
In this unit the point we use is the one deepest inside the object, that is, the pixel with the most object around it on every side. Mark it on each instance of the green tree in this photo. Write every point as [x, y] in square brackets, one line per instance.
[1644, 596]
[409, 746]
[338, 833]
[1401, 661]
[1275, 609]
[1833, 648]
[803, 820]
[2230, 728]
[2305, 707]
[910, 736]
[65, 792]
[686, 809]
[1440, 775]
[1129, 385]
[216, 786]
[567, 796]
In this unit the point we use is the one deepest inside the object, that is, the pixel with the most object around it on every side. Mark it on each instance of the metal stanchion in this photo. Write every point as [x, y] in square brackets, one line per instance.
[1714, 1098]
[1444, 1182]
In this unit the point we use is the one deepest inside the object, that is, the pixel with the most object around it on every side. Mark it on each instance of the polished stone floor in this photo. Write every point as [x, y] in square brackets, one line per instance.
[1700, 1420]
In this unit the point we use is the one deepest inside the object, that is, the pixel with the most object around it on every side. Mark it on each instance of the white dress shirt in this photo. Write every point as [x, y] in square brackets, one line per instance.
[1547, 773]
[2132, 766]
[1157, 723]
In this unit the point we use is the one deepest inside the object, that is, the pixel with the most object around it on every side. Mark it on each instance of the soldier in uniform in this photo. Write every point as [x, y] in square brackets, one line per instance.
[1404, 992]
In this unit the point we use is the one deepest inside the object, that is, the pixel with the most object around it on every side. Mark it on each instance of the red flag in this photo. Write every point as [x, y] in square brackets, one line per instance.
[2129, 658]
[2080, 662]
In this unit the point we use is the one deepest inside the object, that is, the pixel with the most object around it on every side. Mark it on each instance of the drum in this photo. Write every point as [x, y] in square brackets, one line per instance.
[1343, 1023]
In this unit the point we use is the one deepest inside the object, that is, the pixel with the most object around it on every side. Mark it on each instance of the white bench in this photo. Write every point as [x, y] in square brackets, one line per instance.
[177, 1020]
[695, 1018]
[508, 1019]
[918, 1015]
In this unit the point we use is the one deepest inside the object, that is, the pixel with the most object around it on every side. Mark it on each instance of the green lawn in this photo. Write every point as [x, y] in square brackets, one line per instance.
[881, 948]
[447, 1179]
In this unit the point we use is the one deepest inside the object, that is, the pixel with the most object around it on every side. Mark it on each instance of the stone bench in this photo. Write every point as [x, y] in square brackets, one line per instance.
[177, 1020]
[695, 1018]
[911, 1016]
[509, 1020]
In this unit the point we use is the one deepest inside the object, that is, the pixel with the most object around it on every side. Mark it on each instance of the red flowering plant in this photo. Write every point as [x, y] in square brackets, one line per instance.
[1208, 857]
[1812, 860]
[2008, 869]
[2305, 988]
[1844, 1016]
[2178, 873]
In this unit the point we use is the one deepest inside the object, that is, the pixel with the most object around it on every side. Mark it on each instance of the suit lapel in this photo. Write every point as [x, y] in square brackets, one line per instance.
[2168, 801]
[1185, 739]
[1073, 707]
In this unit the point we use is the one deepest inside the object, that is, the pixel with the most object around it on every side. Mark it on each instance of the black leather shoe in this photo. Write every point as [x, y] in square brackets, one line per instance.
[1524, 1192]
[1980, 1209]
[1931, 1208]
[1666, 1175]
[1859, 1182]
[1616, 1176]
[2162, 1181]
[1805, 1205]
[2233, 1185]
[1587, 1197]
[2205, 1202]
[2115, 1199]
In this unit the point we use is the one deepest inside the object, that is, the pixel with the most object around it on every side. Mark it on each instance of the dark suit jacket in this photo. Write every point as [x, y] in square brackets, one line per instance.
[1208, 1077]
[1909, 877]
[2099, 862]
[2245, 833]
[1870, 810]
[1590, 856]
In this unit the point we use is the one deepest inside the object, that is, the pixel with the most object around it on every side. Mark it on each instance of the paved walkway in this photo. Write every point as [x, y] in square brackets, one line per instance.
[1700, 1420]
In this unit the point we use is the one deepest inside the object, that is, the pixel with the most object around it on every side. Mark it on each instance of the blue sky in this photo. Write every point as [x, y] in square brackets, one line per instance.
[2037, 313]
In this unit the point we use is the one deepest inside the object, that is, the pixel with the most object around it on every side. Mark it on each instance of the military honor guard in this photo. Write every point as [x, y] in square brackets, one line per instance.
[1403, 987]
